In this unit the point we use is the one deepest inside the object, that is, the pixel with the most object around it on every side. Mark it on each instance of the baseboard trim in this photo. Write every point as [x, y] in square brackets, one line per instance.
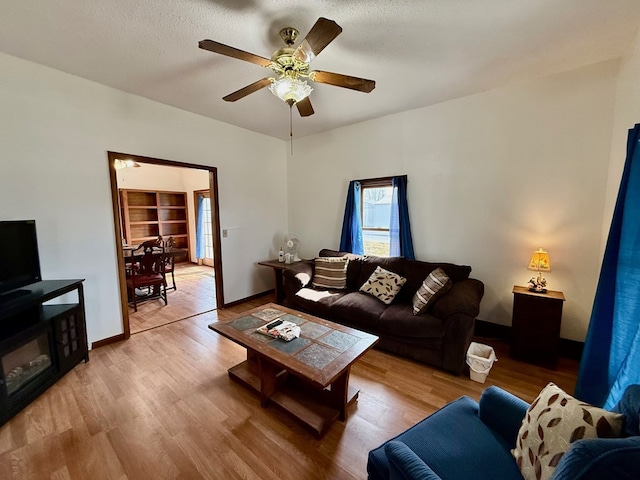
[108, 341]
[568, 348]
[252, 297]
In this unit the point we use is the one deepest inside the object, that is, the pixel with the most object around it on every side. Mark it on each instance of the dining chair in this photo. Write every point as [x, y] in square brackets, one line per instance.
[148, 275]
[169, 262]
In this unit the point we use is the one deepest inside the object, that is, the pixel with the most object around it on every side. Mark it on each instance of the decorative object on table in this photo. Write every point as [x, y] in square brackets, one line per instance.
[539, 263]
[282, 329]
[291, 247]
[268, 314]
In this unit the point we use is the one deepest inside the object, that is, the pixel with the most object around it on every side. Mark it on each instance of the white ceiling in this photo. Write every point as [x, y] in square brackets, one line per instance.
[420, 52]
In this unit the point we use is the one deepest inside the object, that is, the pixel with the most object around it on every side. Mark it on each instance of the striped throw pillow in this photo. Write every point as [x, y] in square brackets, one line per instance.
[433, 287]
[330, 273]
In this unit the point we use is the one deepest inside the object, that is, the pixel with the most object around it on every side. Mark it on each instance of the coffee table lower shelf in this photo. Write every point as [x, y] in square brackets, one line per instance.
[315, 408]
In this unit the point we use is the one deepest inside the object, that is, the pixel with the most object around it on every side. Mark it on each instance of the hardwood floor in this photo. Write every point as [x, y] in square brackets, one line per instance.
[195, 294]
[161, 406]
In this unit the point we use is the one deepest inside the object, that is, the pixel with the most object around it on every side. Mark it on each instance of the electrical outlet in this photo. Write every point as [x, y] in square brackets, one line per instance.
[225, 233]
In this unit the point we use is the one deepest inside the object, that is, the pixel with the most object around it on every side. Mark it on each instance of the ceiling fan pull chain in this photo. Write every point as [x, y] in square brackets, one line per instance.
[291, 127]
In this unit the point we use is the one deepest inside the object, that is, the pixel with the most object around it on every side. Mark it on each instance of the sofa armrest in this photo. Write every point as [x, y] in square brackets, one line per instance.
[297, 276]
[600, 459]
[502, 412]
[464, 297]
[404, 464]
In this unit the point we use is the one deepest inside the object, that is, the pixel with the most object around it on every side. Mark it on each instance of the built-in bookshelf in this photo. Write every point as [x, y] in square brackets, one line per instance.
[147, 214]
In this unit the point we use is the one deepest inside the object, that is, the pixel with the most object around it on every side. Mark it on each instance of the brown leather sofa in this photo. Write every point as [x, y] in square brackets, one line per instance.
[439, 337]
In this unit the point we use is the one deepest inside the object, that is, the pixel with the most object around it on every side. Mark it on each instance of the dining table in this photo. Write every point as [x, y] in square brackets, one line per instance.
[133, 252]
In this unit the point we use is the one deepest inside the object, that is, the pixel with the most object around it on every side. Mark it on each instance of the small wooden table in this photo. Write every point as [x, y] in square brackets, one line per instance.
[307, 377]
[278, 268]
[535, 326]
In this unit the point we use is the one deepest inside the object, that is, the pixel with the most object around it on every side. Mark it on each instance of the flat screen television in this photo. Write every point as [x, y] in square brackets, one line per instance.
[19, 259]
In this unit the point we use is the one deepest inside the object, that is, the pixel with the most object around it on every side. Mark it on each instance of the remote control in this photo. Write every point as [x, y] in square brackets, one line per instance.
[274, 324]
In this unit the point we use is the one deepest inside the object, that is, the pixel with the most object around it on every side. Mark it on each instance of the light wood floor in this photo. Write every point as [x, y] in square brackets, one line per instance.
[195, 293]
[161, 406]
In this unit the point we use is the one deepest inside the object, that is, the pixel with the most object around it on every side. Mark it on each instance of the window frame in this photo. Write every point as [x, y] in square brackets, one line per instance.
[382, 182]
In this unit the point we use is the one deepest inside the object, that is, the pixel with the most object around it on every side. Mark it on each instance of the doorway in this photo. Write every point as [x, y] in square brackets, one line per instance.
[204, 230]
[203, 297]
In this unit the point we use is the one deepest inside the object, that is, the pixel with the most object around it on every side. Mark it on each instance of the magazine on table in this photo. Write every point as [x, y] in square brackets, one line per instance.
[280, 329]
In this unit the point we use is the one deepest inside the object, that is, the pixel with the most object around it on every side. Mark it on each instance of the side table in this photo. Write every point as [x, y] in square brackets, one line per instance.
[278, 268]
[535, 329]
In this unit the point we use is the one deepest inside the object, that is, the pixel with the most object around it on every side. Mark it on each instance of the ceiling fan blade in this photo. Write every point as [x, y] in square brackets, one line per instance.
[345, 81]
[249, 89]
[222, 49]
[304, 107]
[321, 34]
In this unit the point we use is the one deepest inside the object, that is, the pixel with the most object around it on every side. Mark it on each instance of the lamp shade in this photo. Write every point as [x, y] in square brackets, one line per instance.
[540, 261]
[290, 89]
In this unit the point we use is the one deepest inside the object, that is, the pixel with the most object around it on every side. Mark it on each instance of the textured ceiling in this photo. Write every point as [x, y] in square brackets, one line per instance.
[419, 52]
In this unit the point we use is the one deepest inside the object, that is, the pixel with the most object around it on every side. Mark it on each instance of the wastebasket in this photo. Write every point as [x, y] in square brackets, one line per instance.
[480, 359]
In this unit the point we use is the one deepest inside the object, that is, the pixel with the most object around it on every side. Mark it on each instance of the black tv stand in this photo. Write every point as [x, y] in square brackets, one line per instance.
[13, 294]
[39, 343]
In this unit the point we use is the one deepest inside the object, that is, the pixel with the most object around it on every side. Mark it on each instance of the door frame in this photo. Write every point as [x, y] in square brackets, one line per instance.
[117, 219]
[195, 208]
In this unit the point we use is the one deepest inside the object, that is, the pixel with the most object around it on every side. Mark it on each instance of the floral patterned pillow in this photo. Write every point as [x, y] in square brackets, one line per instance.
[553, 422]
[383, 284]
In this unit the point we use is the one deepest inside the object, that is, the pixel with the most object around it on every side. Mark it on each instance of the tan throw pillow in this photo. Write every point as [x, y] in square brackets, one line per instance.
[433, 287]
[330, 273]
[553, 422]
[383, 284]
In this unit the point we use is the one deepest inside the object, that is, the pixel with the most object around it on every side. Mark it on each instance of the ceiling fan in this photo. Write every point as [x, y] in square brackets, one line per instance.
[291, 65]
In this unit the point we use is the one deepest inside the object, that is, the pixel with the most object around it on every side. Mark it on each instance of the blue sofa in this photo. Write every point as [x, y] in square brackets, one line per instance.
[466, 439]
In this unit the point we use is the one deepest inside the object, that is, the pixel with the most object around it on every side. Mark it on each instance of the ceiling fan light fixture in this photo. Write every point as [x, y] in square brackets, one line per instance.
[290, 90]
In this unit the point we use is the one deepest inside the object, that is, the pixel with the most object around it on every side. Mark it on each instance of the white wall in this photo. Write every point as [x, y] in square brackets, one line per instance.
[172, 179]
[55, 130]
[627, 114]
[492, 177]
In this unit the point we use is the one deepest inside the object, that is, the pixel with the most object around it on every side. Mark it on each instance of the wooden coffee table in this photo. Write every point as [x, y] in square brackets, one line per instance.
[307, 377]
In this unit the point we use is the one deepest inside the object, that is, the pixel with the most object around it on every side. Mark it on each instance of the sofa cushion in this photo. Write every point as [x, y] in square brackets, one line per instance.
[383, 284]
[553, 422]
[416, 271]
[370, 262]
[316, 302]
[455, 444]
[357, 309]
[601, 459]
[330, 273]
[398, 320]
[353, 267]
[629, 406]
[433, 287]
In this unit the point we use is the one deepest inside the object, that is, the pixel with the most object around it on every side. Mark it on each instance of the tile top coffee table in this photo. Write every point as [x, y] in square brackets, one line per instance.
[309, 376]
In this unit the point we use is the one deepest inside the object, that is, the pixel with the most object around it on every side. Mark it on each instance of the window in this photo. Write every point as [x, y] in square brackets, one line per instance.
[375, 204]
[376, 218]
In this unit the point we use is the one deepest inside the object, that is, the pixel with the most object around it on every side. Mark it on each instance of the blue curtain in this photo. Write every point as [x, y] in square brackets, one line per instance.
[351, 239]
[401, 243]
[611, 357]
[200, 228]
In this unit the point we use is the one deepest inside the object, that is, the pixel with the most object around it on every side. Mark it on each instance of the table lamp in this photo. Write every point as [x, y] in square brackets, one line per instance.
[539, 263]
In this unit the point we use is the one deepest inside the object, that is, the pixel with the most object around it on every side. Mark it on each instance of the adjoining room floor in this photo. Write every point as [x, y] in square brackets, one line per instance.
[195, 294]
